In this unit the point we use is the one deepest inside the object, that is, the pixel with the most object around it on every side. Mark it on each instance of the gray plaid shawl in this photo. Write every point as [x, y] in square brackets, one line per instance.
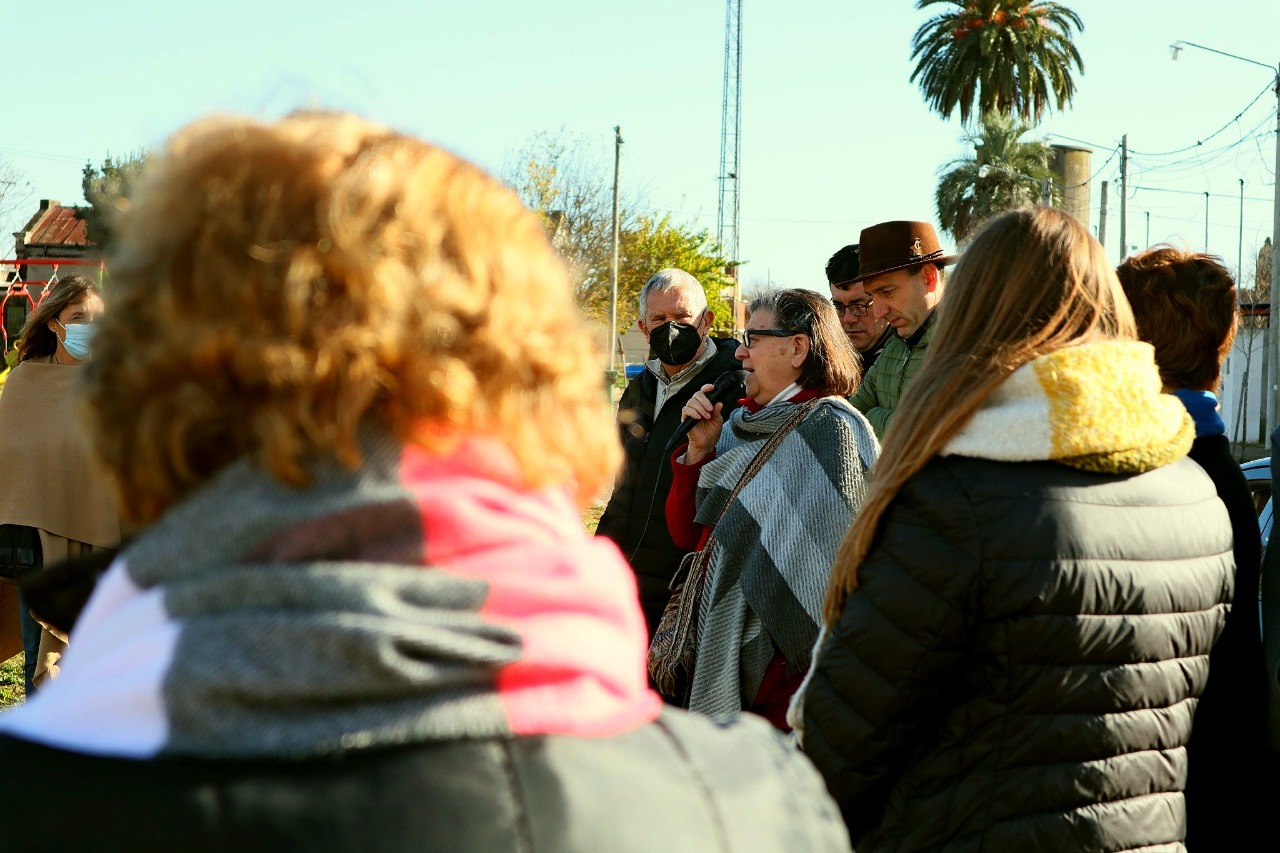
[367, 609]
[774, 547]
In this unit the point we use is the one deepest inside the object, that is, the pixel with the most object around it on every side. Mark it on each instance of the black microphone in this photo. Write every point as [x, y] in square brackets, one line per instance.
[731, 385]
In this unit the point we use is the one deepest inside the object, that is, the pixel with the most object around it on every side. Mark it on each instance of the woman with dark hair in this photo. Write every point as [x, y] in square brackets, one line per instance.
[52, 484]
[1185, 306]
[1020, 619]
[760, 596]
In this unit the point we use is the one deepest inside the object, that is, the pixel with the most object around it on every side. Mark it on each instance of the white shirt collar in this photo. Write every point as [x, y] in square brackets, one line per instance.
[785, 394]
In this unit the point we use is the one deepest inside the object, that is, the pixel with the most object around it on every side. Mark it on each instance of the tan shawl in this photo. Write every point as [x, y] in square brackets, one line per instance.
[48, 477]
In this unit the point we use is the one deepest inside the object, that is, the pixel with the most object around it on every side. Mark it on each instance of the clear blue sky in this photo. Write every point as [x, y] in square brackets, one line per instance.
[834, 137]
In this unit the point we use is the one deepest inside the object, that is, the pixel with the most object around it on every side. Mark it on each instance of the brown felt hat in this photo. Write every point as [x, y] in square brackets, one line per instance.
[897, 245]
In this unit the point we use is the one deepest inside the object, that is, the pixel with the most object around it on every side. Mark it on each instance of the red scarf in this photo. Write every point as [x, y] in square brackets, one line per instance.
[806, 394]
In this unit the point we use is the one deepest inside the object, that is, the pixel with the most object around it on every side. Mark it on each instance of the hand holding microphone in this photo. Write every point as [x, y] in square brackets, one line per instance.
[703, 412]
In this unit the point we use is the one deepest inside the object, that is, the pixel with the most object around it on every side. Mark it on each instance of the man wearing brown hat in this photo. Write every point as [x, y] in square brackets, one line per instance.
[901, 268]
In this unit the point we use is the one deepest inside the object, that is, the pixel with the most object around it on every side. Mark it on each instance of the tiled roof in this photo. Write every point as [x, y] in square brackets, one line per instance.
[58, 226]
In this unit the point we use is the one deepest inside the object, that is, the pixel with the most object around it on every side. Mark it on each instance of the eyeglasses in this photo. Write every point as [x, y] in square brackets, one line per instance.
[748, 334]
[859, 309]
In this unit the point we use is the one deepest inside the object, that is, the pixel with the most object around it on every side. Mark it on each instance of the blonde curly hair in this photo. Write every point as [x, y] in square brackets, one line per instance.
[278, 285]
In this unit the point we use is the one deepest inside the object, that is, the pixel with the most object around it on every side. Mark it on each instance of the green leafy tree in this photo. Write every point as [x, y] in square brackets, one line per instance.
[570, 186]
[104, 187]
[964, 200]
[1011, 56]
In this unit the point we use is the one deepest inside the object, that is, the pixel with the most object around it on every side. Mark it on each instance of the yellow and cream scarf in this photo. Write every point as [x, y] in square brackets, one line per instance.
[1097, 407]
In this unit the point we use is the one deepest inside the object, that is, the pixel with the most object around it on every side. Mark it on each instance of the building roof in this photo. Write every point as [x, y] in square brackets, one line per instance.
[56, 225]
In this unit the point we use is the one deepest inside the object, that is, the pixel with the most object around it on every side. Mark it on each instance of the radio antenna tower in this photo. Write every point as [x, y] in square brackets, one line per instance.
[730, 136]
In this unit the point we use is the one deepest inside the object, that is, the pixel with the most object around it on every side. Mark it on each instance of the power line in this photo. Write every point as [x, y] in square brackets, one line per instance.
[1265, 89]
[1201, 194]
[1080, 141]
[1198, 144]
[703, 216]
[1097, 172]
[39, 155]
[1202, 158]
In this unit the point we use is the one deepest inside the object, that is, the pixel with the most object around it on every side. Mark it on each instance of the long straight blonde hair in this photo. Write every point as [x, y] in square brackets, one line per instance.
[1033, 281]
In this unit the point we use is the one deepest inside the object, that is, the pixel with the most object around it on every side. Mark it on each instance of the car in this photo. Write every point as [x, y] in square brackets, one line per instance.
[1257, 473]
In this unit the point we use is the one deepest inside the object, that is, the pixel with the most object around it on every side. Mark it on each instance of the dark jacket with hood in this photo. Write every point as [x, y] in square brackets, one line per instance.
[634, 518]
[1231, 771]
[680, 783]
[1019, 665]
[1046, 632]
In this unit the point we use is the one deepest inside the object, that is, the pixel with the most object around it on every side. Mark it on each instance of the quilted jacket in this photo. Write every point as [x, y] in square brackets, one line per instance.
[1019, 666]
[680, 783]
[883, 384]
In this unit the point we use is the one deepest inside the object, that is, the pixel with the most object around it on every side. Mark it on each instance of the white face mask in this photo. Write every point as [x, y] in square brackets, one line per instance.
[78, 339]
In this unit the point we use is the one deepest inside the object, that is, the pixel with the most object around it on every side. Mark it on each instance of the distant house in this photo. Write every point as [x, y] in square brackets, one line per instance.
[54, 235]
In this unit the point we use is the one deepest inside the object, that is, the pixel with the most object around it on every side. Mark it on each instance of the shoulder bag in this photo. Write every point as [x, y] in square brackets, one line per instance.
[675, 642]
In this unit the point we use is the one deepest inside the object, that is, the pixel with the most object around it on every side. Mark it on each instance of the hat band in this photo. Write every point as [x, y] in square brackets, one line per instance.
[920, 259]
[909, 262]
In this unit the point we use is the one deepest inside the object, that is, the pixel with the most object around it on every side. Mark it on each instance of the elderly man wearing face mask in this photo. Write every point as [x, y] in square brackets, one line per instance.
[675, 318]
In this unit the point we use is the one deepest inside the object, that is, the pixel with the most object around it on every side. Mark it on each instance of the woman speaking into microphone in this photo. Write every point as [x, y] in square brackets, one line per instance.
[766, 498]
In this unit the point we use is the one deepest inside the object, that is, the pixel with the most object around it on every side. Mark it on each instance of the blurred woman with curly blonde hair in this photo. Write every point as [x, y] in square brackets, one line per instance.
[351, 405]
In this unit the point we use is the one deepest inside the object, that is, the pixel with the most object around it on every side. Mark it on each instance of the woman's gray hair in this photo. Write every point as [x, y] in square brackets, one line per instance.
[673, 279]
[833, 365]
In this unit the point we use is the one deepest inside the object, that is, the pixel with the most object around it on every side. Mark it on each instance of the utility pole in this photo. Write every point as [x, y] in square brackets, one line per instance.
[1206, 222]
[1124, 194]
[1148, 243]
[1273, 328]
[1240, 246]
[1270, 352]
[613, 262]
[1102, 217]
[1240, 431]
[1263, 406]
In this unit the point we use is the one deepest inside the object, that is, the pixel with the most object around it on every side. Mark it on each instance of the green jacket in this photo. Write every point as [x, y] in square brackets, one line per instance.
[882, 387]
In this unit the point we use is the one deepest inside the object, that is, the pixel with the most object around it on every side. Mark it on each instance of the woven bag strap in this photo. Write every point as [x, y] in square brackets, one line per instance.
[758, 462]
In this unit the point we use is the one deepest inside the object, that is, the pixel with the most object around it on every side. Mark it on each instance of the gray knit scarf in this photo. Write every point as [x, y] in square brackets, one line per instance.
[423, 597]
[775, 545]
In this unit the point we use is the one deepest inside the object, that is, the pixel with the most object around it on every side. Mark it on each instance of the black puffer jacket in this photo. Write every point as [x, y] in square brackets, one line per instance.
[1019, 665]
[635, 510]
[680, 783]
[1233, 777]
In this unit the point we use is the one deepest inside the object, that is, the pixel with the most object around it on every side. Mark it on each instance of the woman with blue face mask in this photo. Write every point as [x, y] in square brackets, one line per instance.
[54, 493]
[76, 337]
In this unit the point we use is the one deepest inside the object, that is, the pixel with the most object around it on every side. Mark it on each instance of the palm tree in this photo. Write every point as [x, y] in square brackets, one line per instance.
[965, 201]
[1003, 55]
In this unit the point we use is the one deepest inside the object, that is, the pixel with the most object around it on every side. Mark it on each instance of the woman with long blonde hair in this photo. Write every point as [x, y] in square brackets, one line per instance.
[1019, 621]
